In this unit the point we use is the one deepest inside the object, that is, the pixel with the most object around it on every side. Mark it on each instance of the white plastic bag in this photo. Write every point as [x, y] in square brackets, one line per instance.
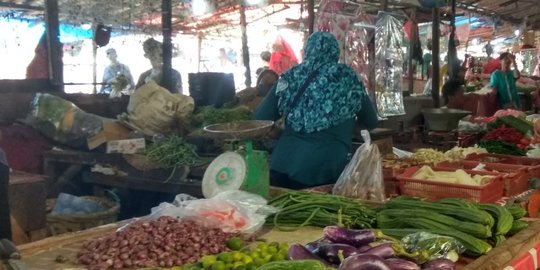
[362, 178]
[231, 211]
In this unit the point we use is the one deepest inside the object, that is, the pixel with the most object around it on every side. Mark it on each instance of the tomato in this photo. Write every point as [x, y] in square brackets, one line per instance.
[525, 141]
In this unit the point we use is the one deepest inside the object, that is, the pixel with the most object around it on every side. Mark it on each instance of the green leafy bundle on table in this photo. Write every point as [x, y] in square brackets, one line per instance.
[172, 152]
[209, 115]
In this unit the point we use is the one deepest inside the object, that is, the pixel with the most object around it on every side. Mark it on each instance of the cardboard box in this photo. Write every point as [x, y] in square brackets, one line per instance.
[130, 146]
[111, 131]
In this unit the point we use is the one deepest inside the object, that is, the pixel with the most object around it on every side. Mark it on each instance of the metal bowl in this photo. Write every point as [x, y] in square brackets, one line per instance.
[239, 130]
[443, 119]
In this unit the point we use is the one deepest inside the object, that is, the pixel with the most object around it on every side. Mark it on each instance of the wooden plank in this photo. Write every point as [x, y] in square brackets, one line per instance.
[245, 47]
[166, 27]
[52, 28]
[311, 15]
[20, 6]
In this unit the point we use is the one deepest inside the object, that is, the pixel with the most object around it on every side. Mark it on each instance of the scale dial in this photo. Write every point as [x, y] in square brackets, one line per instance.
[227, 172]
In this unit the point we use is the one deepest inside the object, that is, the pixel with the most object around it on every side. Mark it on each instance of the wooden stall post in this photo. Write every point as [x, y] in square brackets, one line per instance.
[311, 15]
[245, 47]
[412, 37]
[435, 62]
[166, 26]
[54, 47]
[199, 48]
[94, 61]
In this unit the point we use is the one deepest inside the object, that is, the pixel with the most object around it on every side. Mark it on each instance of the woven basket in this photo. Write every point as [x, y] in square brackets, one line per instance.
[59, 224]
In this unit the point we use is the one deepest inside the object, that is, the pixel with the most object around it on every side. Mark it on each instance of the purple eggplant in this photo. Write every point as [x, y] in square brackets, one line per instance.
[351, 237]
[439, 264]
[363, 249]
[299, 252]
[364, 262]
[401, 264]
[312, 246]
[384, 251]
[334, 253]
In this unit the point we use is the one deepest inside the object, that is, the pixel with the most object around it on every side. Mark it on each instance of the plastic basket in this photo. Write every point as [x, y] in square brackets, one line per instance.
[64, 223]
[515, 177]
[432, 191]
[532, 163]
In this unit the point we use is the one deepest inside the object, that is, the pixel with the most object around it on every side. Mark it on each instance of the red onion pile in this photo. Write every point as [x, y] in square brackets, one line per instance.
[164, 242]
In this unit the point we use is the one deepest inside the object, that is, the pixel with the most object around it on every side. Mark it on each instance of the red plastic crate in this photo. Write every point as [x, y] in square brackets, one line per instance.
[532, 163]
[430, 190]
[391, 184]
[515, 177]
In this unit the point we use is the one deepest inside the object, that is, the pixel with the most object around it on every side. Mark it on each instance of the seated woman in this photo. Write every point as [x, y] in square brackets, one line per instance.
[320, 100]
[479, 104]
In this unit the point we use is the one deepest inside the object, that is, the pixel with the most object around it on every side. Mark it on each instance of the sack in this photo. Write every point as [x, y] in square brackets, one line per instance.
[362, 178]
[231, 211]
[152, 109]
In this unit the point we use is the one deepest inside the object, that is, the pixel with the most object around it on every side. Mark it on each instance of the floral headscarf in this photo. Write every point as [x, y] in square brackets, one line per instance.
[331, 98]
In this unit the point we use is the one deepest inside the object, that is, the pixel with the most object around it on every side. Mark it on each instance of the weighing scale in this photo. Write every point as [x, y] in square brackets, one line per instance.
[242, 167]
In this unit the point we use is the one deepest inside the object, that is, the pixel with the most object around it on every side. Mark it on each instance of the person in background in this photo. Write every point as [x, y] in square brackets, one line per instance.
[39, 66]
[491, 64]
[154, 52]
[318, 129]
[265, 57]
[116, 75]
[504, 82]
[479, 104]
[283, 57]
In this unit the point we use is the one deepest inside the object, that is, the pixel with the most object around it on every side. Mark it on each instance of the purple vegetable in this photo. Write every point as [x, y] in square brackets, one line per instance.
[363, 249]
[331, 252]
[401, 264]
[383, 250]
[312, 246]
[439, 264]
[364, 262]
[299, 252]
[351, 237]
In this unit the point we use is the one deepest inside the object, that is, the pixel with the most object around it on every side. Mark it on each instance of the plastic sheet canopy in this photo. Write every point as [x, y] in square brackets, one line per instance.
[389, 58]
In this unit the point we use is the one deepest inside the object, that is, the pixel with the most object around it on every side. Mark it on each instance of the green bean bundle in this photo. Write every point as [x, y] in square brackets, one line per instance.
[298, 209]
[172, 152]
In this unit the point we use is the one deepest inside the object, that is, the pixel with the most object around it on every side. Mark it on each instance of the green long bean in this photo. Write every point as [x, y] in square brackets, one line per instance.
[298, 209]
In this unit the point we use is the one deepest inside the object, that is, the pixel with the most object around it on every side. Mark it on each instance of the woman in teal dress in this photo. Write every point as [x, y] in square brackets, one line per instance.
[313, 148]
[504, 81]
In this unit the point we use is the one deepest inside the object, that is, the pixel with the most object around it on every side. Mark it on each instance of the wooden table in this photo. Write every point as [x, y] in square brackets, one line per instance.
[42, 254]
[182, 180]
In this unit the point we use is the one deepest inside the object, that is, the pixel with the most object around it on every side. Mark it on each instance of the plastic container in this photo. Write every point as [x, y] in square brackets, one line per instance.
[432, 191]
[532, 163]
[515, 177]
[391, 183]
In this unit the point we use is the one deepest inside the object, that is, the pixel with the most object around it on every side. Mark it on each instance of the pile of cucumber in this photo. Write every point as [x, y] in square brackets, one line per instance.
[479, 227]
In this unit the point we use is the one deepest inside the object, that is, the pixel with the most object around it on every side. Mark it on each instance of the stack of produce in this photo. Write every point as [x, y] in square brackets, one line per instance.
[244, 258]
[351, 249]
[431, 156]
[164, 242]
[209, 115]
[508, 135]
[298, 209]
[456, 177]
[477, 226]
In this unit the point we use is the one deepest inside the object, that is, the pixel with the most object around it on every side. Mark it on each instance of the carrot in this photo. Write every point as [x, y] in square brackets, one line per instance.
[534, 204]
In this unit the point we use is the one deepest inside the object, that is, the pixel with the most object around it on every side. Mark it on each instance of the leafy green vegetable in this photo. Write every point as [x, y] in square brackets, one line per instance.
[210, 115]
[500, 147]
[172, 152]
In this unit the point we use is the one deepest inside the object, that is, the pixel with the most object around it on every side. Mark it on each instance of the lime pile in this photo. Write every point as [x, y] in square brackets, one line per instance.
[242, 257]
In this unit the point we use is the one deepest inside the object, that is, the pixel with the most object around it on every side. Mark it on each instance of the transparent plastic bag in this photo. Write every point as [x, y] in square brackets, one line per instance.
[435, 245]
[362, 178]
[231, 211]
[62, 121]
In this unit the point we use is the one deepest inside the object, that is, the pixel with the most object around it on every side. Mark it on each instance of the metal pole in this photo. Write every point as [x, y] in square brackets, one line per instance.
[436, 54]
[412, 43]
[311, 15]
[245, 47]
[385, 5]
[166, 25]
[199, 48]
[94, 61]
[54, 47]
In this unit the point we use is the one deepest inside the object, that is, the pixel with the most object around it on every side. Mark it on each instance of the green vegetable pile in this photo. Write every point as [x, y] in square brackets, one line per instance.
[172, 152]
[477, 226]
[501, 147]
[298, 209]
[211, 115]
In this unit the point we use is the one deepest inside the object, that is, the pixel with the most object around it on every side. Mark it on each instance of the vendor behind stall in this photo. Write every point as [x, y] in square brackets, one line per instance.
[320, 100]
[504, 81]
[479, 104]
[154, 52]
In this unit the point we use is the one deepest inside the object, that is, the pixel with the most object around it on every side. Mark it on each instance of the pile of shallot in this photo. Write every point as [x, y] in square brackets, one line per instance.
[164, 242]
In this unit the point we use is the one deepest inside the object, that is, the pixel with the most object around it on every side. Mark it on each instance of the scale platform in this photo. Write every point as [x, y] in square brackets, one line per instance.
[242, 168]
